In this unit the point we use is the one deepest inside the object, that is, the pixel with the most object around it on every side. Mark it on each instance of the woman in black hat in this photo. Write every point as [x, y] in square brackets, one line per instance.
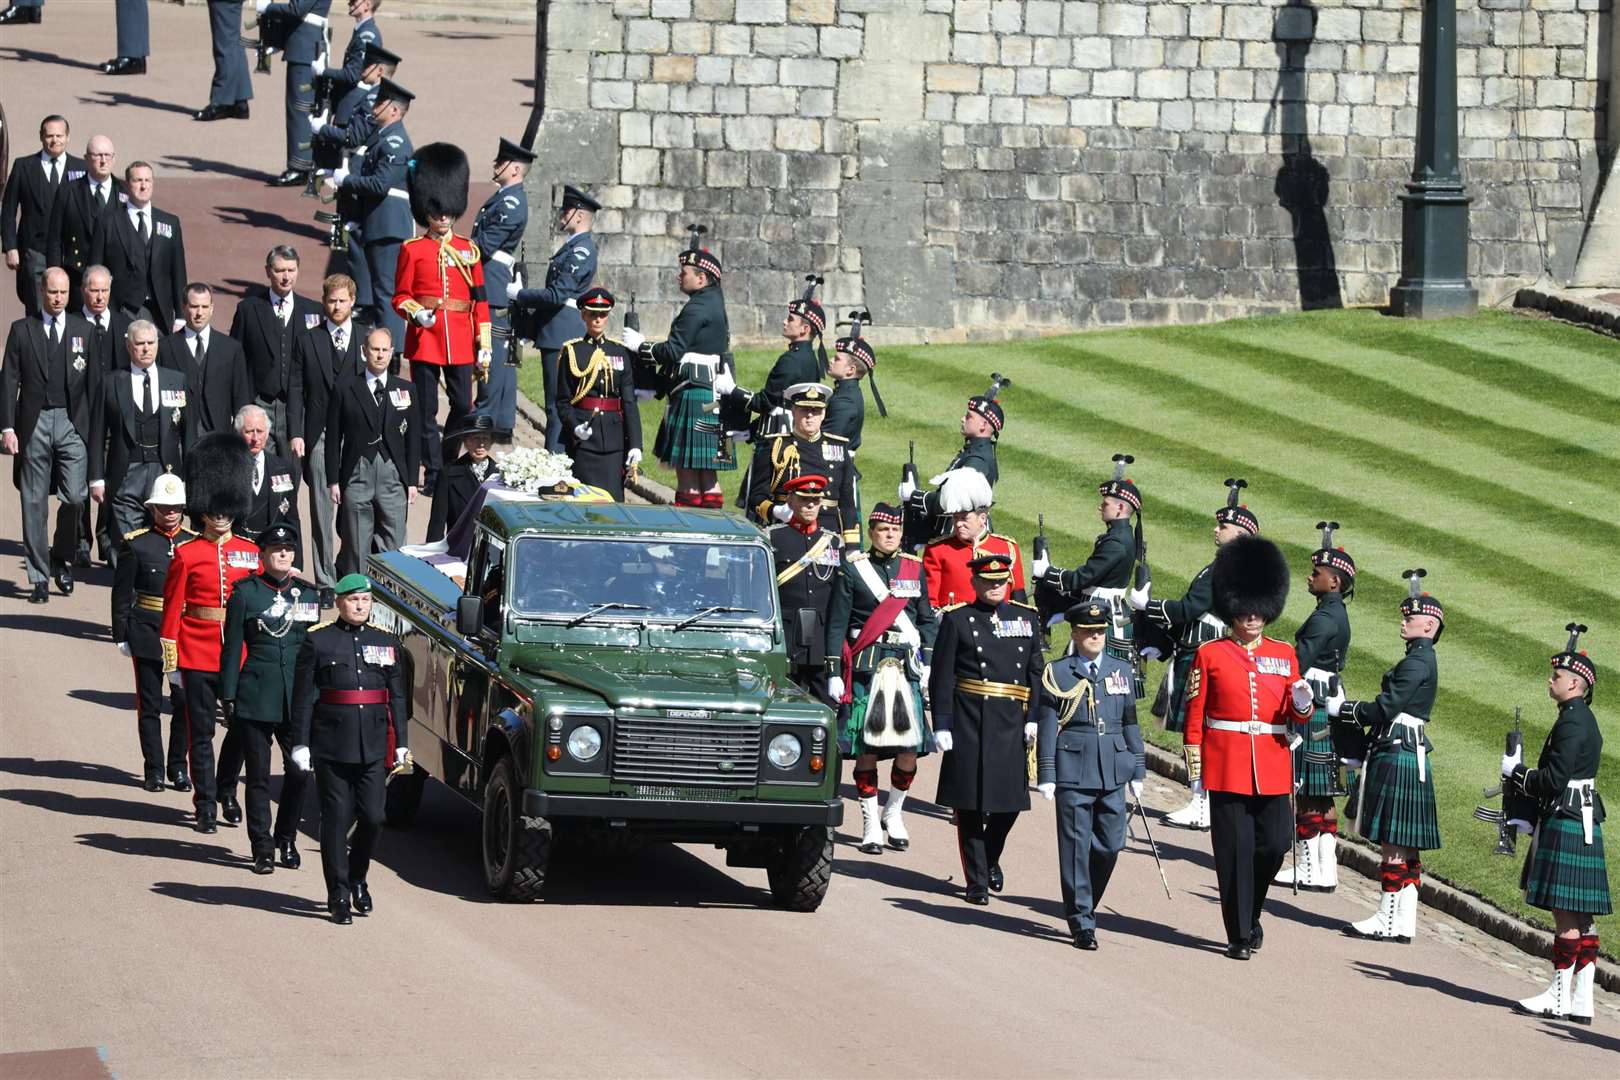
[459, 484]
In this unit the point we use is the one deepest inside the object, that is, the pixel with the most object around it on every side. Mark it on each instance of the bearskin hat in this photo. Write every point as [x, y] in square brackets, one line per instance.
[219, 476]
[1249, 576]
[438, 177]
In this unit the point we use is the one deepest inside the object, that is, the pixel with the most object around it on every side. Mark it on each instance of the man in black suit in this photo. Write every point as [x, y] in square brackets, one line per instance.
[79, 208]
[107, 346]
[48, 384]
[371, 455]
[140, 429]
[25, 208]
[275, 481]
[321, 357]
[143, 248]
[267, 324]
[215, 370]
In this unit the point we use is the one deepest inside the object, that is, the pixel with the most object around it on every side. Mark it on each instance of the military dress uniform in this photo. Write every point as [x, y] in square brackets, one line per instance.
[265, 623]
[350, 709]
[1105, 576]
[1088, 745]
[947, 560]
[1322, 644]
[498, 232]
[306, 40]
[985, 683]
[925, 518]
[569, 273]
[382, 206]
[768, 406]
[780, 457]
[139, 572]
[690, 437]
[807, 561]
[596, 387]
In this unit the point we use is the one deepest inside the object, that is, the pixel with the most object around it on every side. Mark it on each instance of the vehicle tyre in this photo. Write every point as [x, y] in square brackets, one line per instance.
[404, 798]
[517, 849]
[801, 874]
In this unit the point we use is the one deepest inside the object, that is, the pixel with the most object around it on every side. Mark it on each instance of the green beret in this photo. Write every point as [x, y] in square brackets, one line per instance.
[350, 583]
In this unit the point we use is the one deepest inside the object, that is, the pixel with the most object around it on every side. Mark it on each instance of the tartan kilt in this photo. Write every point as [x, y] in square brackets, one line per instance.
[1396, 807]
[688, 437]
[851, 742]
[1175, 713]
[1316, 763]
[1565, 873]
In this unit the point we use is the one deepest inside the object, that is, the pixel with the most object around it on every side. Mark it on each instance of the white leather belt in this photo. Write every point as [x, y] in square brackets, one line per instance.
[1415, 726]
[1319, 674]
[315, 20]
[399, 193]
[1247, 727]
[502, 257]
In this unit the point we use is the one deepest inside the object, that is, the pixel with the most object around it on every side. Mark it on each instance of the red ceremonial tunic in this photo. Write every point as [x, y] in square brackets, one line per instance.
[195, 593]
[1239, 707]
[448, 279]
[945, 564]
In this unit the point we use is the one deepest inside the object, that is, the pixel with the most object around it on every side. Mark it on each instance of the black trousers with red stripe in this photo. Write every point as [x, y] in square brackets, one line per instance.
[981, 838]
[202, 702]
[1250, 835]
[149, 680]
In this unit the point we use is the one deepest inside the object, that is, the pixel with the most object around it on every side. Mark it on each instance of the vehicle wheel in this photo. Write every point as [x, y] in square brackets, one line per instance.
[517, 849]
[404, 798]
[800, 875]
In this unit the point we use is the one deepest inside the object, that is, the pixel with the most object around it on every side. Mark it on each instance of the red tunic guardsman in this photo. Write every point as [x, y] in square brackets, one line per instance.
[195, 593]
[965, 498]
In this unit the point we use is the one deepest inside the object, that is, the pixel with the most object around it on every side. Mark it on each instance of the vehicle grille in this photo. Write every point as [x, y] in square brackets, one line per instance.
[669, 753]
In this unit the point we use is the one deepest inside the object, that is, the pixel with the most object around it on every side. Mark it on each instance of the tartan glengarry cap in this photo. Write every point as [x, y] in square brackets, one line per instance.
[886, 514]
[859, 348]
[703, 259]
[1239, 515]
[1336, 559]
[1125, 489]
[1579, 663]
[810, 312]
[990, 409]
[1423, 604]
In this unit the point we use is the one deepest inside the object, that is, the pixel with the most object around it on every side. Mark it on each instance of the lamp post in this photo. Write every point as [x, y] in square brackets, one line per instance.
[1434, 216]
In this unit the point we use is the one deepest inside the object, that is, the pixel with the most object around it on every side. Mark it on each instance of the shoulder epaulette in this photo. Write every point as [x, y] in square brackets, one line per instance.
[779, 525]
[909, 555]
[418, 239]
[951, 607]
[476, 256]
[834, 437]
[999, 536]
[135, 533]
[854, 555]
[780, 435]
[570, 342]
[322, 626]
[938, 540]
[1020, 603]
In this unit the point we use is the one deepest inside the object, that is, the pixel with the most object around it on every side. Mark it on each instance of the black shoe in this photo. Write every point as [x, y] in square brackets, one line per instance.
[82, 558]
[1086, 939]
[206, 824]
[871, 848]
[127, 65]
[328, 598]
[291, 178]
[977, 897]
[1257, 938]
[998, 881]
[428, 489]
[289, 854]
[63, 576]
[230, 809]
[340, 913]
[212, 112]
[42, 592]
[361, 897]
[264, 864]
[21, 15]
[1238, 950]
[179, 780]
[154, 781]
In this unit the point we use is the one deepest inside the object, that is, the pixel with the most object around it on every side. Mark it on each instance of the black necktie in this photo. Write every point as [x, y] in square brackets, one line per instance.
[377, 392]
[197, 352]
[53, 173]
[53, 333]
[141, 228]
[101, 196]
[1091, 671]
[146, 392]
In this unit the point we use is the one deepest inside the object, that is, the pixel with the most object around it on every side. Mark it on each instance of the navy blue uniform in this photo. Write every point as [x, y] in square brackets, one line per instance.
[306, 38]
[570, 273]
[383, 209]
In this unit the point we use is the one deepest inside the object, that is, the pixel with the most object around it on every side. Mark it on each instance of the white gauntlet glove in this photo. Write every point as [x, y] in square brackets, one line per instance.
[782, 512]
[943, 741]
[632, 458]
[424, 318]
[632, 339]
[300, 758]
[1040, 564]
[512, 290]
[1048, 791]
[723, 383]
[835, 688]
[1138, 598]
[1303, 696]
[1511, 761]
[316, 122]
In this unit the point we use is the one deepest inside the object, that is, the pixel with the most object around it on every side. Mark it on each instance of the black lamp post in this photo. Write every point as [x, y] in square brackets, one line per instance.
[1434, 216]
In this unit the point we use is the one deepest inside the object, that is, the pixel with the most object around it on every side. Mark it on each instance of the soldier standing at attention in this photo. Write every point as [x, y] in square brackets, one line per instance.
[1088, 747]
[350, 715]
[965, 497]
[596, 400]
[269, 614]
[1565, 872]
[927, 517]
[985, 689]
[805, 448]
[807, 561]
[1397, 803]
[305, 46]
[853, 358]
[139, 572]
[497, 232]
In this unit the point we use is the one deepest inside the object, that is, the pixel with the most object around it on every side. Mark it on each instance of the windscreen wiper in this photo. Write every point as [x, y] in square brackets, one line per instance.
[705, 613]
[599, 608]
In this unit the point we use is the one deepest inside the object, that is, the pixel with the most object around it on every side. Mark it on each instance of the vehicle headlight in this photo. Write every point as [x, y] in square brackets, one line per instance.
[584, 743]
[784, 751]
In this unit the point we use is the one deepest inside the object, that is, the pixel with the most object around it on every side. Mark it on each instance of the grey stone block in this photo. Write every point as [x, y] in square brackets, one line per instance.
[883, 212]
[891, 152]
[909, 286]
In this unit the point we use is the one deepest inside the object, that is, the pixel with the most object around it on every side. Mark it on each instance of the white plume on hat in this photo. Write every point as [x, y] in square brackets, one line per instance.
[961, 490]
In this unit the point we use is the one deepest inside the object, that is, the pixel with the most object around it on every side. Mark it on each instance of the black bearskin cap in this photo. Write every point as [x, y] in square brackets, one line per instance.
[219, 476]
[1250, 577]
[438, 177]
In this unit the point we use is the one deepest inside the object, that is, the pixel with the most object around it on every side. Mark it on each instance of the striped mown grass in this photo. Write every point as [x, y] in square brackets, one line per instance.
[1485, 450]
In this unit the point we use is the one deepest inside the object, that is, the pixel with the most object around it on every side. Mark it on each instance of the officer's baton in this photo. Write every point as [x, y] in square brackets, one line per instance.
[1153, 848]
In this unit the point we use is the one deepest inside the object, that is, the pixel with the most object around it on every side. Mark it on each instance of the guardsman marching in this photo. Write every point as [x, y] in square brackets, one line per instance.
[1088, 748]
[805, 449]
[964, 498]
[985, 690]
[807, 562]
[1565, 872]
[351, 715]
[926, 515]
[1244, 695]
[1397, 797]
[596, 400]
[1322, 644]
[440, 289]
[219, 479]
[267, 615]
[137, 617]
[498, 234]
[1192, 623]
[880, 629]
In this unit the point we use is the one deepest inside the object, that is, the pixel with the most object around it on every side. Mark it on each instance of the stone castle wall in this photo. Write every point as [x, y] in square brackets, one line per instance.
[978, 168]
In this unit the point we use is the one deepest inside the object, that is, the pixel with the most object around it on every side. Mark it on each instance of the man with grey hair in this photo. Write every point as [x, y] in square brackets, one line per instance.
[78, 209]
[371, 455]
[48, 386]
[267, 325]
[107, 330]
[141, 429]
[275, 480]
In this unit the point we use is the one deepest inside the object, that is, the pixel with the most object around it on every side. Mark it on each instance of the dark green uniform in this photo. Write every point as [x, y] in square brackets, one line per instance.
[846, 414]
[690, 438]
[1565, 870]
[1397, 803]
[1322, 644]
[908, 640]
[270, 620]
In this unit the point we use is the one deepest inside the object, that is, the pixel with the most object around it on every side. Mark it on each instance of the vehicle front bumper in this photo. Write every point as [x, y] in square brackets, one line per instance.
[828, 812]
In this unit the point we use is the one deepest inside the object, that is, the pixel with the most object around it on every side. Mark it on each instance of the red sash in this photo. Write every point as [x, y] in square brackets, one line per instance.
[878, 624]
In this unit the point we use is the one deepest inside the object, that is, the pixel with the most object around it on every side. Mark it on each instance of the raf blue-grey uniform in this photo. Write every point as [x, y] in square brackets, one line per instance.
[304, 44]
[498, 230]
[384, 211]
[1090, 757]
[570, 273]
[354, 54]
[134, 28]
[232, 83]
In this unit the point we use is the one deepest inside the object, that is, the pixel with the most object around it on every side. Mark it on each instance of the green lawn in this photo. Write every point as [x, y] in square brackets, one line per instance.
[1486, 450]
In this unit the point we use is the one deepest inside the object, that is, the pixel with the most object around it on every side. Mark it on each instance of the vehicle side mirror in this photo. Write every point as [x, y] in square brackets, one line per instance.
[469, 615]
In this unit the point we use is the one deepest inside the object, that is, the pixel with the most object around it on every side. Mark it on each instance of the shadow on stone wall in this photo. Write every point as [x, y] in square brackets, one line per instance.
[1302, 181]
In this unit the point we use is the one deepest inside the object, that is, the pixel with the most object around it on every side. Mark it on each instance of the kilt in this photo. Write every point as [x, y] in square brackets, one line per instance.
[688, 437]
[1396, 807]
[1175, 713]
[850, 740]
[1316, 764]
[1565, 873]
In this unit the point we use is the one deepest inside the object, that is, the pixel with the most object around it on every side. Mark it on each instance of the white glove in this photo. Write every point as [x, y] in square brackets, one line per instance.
[1030, 730]
[1040, 564]
[907, 489]
[1048, 791]
[632, 458]
[300, 758]
[632, 339]
[943, 741]
[835, 688]
[319, 63]
[486, 357]
[176, 681]
[1522, 825]
[261, 6]
[1303, 696]
[400, 754]
[1335, 701]
[1138, 598]
[1511, 761]
[1136, 790]
[512, 290]
[123, 649]
[582, 431]
[924, 674]
[781, 512]
[340, 174]
[316, 122]
[1150, 653]
[571, 302]
[723, 383]
[424, 318]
